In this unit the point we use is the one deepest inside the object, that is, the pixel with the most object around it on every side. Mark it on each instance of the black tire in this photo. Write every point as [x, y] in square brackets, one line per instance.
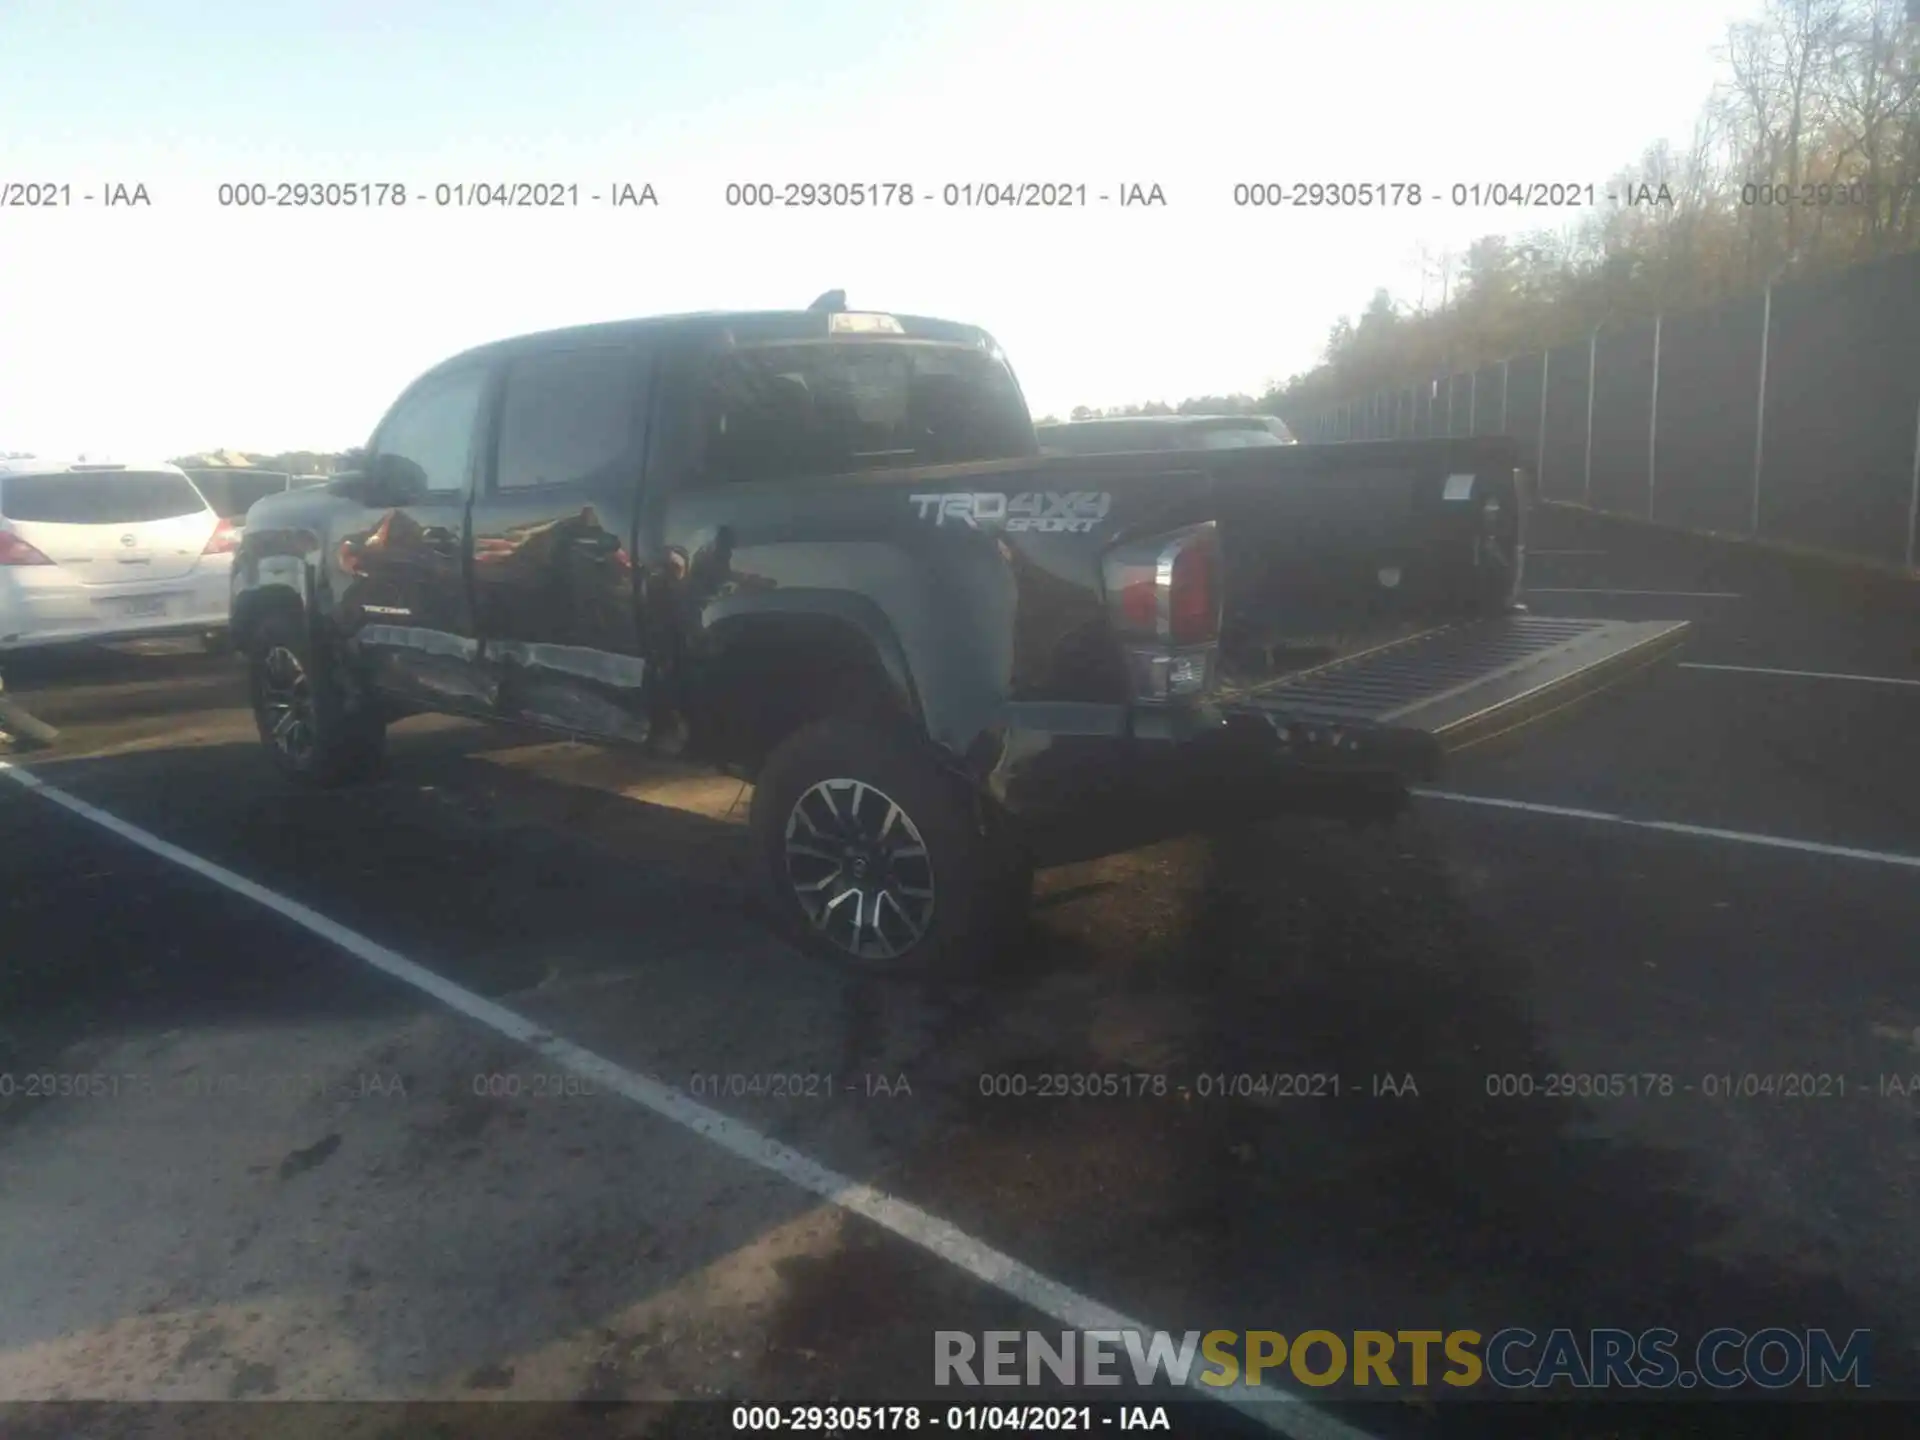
[843, 775]
[310, 732]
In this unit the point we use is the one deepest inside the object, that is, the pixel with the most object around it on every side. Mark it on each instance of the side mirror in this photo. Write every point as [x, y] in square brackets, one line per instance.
[385, 480]
[350, 483]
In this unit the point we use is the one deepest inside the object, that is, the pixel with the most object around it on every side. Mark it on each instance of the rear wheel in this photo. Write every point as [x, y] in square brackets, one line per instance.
[871, 854]
[309, 730]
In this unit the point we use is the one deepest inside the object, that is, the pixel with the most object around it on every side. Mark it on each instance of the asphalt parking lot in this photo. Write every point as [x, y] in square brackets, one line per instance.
[319, 1173]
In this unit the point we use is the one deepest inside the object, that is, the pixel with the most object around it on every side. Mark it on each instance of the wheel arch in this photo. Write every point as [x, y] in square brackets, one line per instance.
[776, 663]
[251, 608]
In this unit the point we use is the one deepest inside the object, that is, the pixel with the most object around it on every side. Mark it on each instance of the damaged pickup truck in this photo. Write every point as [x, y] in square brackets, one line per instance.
[821, 549]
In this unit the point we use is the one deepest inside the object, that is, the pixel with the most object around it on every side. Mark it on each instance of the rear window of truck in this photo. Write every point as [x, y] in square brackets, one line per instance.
[811, 408]
[118, 497]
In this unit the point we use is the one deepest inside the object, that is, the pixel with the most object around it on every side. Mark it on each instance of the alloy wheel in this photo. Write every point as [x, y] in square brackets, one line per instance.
[286, 704]
[859, 868]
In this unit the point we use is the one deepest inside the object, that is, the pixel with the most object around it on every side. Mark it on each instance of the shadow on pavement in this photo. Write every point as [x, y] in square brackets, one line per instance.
[1302, 947]
[1315, 949]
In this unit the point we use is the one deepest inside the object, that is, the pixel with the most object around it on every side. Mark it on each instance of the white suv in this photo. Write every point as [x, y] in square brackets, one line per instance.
[105, 552]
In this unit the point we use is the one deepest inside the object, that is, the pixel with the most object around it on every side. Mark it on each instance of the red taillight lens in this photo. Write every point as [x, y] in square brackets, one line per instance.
[1164, 596]
[1168, 587]
[223, 540]
[1140, 603]
[1193, 603]
[15, 551]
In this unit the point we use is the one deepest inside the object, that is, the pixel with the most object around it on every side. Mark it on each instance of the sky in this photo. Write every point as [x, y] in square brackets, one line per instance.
[186, 324]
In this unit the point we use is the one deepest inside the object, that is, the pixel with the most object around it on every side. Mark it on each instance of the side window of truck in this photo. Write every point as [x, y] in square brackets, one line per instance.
[569, 417]
[428, 436]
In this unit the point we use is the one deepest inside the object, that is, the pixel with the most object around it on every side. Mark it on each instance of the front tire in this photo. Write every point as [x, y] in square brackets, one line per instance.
[310, 731]
[869, 853]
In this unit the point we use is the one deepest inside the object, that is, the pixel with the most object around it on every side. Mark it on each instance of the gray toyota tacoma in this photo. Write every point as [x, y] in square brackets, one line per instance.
[822, 549]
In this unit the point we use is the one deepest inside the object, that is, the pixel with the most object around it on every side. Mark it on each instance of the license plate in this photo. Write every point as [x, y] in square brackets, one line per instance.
[141, 609]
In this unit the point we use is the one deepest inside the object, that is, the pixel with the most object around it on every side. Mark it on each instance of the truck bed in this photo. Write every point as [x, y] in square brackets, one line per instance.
[1372, 613]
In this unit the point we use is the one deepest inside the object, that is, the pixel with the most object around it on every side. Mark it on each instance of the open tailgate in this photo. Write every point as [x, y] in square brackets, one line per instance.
[1371, 618]
[1404, 704]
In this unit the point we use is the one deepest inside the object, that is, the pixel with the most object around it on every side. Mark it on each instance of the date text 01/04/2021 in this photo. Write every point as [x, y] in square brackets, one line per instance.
[1738, 1085]
[1019, 1419]
[1468, 195]
[1207, 1085]
[811, 1085]
[952, 195]
[443, 195]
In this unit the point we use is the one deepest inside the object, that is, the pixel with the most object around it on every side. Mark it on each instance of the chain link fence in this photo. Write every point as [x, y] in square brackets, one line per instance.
[1791, 416]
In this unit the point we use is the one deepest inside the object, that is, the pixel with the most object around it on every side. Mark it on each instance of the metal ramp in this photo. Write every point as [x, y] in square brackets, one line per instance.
[1467, 682]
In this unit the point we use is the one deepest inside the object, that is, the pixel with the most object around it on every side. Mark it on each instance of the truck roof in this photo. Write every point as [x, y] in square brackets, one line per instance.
[747, 326]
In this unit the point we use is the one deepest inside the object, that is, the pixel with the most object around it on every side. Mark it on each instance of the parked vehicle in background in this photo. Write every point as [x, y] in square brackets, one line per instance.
[821, 549]
[92, 551]
[1129, 433]
[233, 490]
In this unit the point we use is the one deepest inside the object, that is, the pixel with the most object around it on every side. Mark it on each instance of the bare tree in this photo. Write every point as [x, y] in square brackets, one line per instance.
[1874, 94]
[1805, 158]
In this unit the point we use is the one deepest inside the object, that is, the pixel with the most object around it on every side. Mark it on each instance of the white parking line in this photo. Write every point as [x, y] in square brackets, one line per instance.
[1800, 674]
[1669, 594]
[1675, 827]
[1278, 1410]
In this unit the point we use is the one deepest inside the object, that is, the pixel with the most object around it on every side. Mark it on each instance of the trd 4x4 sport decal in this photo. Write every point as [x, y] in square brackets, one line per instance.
[1075, 512]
